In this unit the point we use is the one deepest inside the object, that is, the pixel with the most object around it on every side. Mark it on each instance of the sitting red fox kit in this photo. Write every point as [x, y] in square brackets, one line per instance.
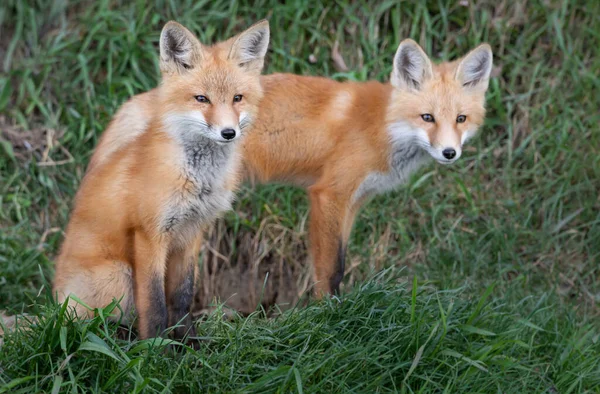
[348, 141]
[135, 230]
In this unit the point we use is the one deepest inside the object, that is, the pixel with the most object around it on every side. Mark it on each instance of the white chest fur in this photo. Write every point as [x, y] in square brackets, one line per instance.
[205, 169]
[404, 160]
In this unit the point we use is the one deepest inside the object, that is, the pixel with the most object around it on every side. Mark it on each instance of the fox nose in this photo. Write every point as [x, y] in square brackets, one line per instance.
[228, 134]
[449, 153]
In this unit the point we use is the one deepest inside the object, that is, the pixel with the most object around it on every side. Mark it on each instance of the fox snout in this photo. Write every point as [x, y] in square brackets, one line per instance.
[449, 153]
[228, 134]
[225, 123]
[223, 134]
[449, 149]
[445, 146]
[194, 123]
[446, 154]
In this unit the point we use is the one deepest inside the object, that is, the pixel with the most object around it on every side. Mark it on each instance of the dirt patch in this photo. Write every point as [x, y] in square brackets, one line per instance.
[9, 323]
[250, 269]
[40, 143]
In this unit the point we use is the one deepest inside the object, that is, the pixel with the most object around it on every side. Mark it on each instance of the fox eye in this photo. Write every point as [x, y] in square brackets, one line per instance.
[461, 119]
[202, 99]
[237, 98]
[428, 118]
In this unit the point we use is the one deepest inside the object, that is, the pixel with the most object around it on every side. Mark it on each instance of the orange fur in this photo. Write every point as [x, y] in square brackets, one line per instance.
[345, 142]
[152, 184]
[334, 137]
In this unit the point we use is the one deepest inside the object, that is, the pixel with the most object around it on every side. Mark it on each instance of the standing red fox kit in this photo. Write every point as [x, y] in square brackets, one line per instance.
[135, 230]
[348, 141]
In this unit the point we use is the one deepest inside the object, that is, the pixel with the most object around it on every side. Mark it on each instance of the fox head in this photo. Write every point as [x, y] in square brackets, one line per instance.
[211, 91]
[438, 107]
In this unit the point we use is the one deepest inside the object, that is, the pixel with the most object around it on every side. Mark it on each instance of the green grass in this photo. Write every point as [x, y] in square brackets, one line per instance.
[381, 337]
[505, 244]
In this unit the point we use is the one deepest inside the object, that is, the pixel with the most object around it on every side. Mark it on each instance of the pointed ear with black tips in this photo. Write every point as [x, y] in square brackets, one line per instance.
[412, 66]
[250, 47]
[474, 69]
[180, 50]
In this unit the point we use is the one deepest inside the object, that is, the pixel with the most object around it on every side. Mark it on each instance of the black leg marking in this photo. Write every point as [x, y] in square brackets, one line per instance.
[338, 275]
[180, 304]
[156, 318]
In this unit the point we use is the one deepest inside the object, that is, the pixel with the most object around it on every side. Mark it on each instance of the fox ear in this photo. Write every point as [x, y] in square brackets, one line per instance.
[180, 50]
[474, 69]
[250, 47]
[412, 67]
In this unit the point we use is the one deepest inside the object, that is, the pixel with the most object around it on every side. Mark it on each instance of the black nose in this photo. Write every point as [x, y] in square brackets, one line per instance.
[449, 153]
[228, 134]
